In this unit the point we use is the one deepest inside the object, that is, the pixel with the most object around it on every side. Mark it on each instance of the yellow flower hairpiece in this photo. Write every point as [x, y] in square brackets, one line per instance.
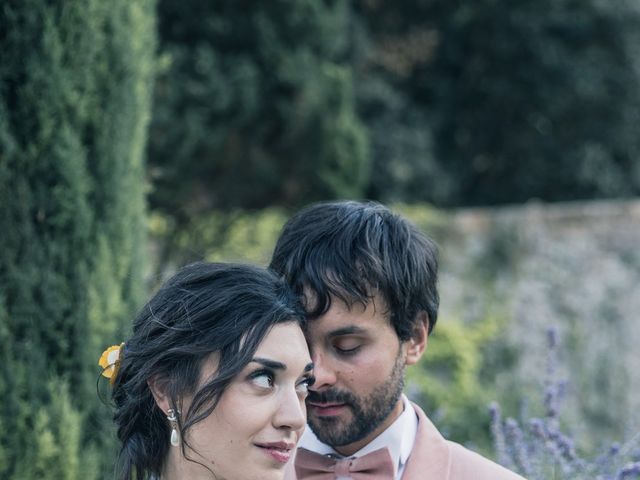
[110, 362]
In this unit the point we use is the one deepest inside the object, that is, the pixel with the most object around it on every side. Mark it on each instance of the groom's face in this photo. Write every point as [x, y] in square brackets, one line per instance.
[359, 365]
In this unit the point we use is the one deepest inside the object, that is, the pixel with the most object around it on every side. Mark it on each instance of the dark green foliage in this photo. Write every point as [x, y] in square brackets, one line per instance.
[456, 103]
[254, 107]
[74, 103]
[496, 101]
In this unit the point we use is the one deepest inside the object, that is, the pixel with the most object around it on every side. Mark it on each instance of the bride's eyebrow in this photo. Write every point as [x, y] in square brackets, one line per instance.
[270, 363]
[278, 365]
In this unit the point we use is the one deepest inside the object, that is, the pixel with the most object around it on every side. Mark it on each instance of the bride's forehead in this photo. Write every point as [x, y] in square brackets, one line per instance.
[285, 343]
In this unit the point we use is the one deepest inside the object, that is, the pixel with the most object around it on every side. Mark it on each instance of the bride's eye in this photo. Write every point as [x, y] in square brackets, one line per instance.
[262, 378]
[304, 384]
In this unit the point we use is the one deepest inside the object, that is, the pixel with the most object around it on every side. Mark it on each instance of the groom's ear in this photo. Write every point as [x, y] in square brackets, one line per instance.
[158, 387]
[417, 344]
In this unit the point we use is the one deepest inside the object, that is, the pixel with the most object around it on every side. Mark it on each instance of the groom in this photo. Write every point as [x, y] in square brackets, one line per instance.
[367, 278]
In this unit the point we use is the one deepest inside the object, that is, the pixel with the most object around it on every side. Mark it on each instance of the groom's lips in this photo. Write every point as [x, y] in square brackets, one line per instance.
[326, 409]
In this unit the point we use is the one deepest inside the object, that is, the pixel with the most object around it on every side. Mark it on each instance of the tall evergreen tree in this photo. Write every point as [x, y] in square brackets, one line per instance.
[75, 82]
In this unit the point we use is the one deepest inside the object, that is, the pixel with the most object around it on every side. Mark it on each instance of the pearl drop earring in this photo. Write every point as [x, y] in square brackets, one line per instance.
[173, 420]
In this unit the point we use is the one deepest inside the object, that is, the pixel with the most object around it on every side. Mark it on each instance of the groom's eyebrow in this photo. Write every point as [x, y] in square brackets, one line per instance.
[348, 330]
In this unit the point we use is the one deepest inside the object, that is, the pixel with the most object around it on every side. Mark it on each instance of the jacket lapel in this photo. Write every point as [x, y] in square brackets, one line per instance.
[430, 458]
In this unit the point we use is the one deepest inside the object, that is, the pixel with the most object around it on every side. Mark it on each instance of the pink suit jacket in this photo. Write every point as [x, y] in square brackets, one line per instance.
[435, 458]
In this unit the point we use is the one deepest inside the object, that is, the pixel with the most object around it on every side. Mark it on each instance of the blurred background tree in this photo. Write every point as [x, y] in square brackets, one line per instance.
[75, 82]
[493, 102]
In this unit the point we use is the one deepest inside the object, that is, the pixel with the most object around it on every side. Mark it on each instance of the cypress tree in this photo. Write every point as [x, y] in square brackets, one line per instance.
[75, 79]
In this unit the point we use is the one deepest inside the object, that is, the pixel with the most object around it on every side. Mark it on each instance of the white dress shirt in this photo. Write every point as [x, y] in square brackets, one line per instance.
[399, 438]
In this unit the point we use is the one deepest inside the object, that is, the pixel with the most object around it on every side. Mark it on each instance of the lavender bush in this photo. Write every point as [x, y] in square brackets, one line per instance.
[538, 448]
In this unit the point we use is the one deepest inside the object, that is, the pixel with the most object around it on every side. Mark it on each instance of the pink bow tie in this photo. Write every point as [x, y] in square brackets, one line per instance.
[376, 465]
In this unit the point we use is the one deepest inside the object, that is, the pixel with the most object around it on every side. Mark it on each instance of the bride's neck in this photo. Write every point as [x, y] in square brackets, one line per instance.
[176, 467]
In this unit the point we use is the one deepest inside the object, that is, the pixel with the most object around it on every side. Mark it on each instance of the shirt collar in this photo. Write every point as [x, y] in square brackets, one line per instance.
[399, 438]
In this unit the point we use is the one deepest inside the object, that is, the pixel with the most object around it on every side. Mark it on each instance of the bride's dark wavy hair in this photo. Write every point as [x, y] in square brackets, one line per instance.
[204, 308]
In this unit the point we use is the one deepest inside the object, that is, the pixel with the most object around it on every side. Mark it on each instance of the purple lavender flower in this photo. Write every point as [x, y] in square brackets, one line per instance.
[543, 451]
[631, 470]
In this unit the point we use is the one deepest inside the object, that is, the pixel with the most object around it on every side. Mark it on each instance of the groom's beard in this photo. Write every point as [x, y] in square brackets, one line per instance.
[367, 413]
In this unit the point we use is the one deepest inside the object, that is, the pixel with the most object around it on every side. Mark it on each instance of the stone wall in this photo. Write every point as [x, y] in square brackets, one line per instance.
[574, 267]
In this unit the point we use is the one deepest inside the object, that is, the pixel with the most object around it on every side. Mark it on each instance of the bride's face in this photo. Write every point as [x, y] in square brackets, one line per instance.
[253, 431]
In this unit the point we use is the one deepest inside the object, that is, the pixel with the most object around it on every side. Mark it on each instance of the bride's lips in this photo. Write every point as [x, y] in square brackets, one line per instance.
[278, 451]
[326, 409]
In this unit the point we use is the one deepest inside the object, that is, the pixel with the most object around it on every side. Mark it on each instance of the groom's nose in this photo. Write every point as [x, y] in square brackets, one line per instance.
[324, 370]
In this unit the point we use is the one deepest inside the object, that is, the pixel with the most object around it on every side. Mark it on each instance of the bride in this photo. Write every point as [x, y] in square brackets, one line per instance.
[212, 383]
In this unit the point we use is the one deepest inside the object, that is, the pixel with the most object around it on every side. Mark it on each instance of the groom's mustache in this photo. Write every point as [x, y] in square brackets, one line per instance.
[331, 396]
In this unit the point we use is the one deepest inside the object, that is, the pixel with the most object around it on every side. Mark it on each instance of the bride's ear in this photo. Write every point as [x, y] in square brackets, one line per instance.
[158, 387]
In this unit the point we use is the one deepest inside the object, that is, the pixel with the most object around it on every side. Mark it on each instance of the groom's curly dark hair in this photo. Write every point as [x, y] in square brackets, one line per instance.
[351, 251]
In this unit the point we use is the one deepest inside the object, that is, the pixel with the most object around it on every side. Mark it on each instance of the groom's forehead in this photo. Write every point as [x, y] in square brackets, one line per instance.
[346, 317]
